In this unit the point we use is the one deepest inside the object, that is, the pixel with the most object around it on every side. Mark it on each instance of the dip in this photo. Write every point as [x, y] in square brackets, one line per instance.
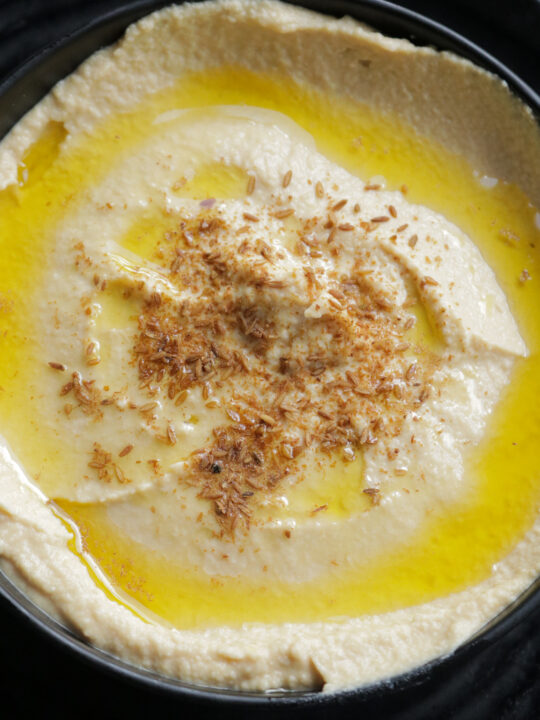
[269, 350]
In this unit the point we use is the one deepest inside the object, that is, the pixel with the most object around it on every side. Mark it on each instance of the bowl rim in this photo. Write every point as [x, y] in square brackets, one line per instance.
[414, 26]
[420, 30]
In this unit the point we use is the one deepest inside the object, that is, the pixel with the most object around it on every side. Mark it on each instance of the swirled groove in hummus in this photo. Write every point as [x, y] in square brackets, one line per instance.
[256, 362]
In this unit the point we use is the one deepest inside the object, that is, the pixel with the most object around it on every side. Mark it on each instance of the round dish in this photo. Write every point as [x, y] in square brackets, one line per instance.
[373, 22]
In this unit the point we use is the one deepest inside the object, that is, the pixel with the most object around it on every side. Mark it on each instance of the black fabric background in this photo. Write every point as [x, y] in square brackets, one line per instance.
[502, 682]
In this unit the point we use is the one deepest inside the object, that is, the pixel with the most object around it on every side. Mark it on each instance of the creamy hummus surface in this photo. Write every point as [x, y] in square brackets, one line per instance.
[256, 373]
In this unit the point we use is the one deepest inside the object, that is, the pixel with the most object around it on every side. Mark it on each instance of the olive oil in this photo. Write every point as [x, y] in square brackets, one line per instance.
[457, 545]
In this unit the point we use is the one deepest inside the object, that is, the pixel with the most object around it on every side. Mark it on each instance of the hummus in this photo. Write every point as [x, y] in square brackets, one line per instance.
[252, 368]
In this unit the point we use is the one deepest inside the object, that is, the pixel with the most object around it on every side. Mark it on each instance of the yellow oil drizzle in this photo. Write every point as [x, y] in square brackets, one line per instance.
[456, 546]
[28, 212]
[116, 311]
[334, 489]
[37, 159]
[212, 180]
[76, 545]
[425, 335]
[146, 233]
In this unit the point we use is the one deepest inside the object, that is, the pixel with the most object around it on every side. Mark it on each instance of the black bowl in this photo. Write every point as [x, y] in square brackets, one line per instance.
[472, 679]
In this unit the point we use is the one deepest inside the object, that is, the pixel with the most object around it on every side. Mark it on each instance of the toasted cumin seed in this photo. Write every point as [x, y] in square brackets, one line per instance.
[250, 217]
[83, 396]
[380, 219]
[409, 323]
[373, 494]
[125, 451]
[348, 454]
[392, 210]
[340, 204]
[319, 190]
[398, 391]
[287, 451]
[356, 208]
[346, 227]
[171, 434]
[216, 495]
[68, 387]
[385, 387]
[411, 242]
[372, 187]
[90, 348]
[257, 457]
[364, 436]
[119, 474]
[400, 472]
[93, 361]
[286, 179]
[244, 362]
[285, 213]
[287, 408]
[335, 303]
[206, 391]
[337, 293]
[250, 185]
[403, 227]
[57, 366]
[227, 372]
[324, 414]
[428, 280]
[310, 241]
[319, 509]
[267, 419]
[148, 407]
[384, 302]
[411, 371]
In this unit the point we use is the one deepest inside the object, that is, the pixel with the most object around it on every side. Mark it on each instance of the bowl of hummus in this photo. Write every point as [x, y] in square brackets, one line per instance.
[269, 351]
